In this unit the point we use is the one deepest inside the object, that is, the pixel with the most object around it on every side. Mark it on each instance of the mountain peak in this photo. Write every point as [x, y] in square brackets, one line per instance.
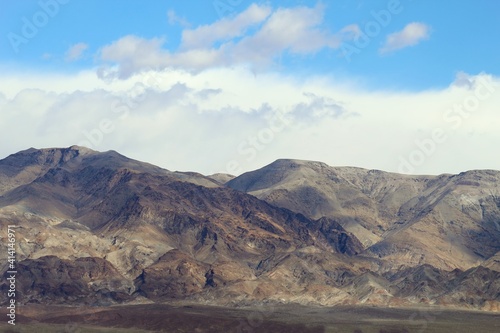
[71, 148]
[288, 162]
[43, 157]
[82, 150]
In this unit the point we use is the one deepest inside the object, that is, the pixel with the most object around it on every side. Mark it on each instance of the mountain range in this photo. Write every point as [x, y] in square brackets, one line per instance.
[98, 228]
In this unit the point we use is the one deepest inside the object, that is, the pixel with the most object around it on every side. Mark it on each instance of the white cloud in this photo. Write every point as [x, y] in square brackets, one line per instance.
[463, 79]
[133, 53]
[255, 37]
[174, 19]
[76, 51]
[412, 34]
[295, 30]
[187, 121]
[225, 29]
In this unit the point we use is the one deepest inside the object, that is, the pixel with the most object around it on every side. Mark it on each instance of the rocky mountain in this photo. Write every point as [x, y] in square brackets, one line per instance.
[99, 228]
[448, 221]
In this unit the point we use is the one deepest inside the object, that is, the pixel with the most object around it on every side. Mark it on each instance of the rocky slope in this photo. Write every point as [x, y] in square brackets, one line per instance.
[158, 230]
[99, 228]
[448, 221]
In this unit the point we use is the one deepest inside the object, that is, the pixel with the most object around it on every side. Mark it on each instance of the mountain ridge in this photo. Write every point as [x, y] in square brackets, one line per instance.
[156, 235]
[376, 205]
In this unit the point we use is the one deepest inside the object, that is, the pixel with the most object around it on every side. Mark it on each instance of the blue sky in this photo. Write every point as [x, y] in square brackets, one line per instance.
[345, 61]
[461, 38]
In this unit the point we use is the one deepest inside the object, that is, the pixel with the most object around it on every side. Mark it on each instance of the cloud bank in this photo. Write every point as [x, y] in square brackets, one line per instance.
[228, 120]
